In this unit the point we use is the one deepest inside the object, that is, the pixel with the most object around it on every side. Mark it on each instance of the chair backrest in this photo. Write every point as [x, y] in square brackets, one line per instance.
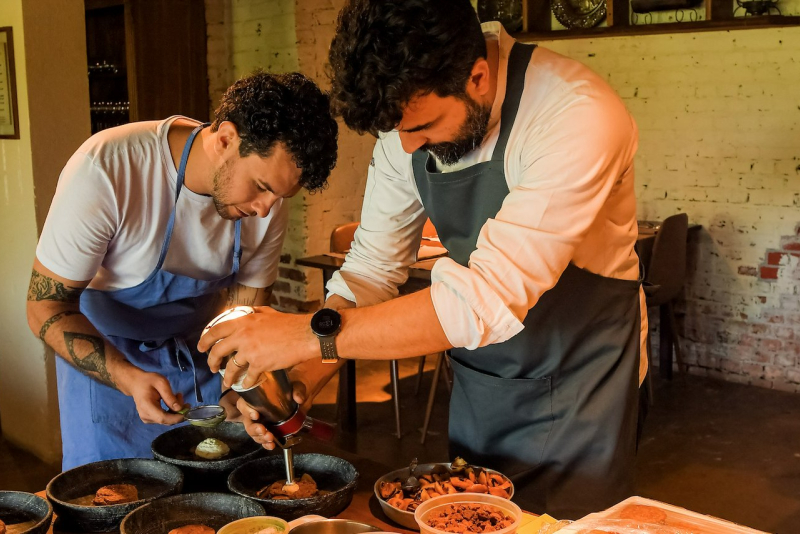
[667, 267]
[342, 237]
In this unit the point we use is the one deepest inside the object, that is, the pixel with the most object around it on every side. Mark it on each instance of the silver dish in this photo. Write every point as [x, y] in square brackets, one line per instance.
[579, 13]
[406, 519]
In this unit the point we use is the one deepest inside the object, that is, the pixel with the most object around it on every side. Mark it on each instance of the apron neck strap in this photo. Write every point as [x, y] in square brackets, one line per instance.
[181, 174]
[518, 61]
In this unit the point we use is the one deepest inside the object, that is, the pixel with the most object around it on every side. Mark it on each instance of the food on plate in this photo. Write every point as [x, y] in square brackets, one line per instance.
[212, 449]
[468, 517]
[115, 494]
[459, 478]
[2, 527]
[192, 529]
[645, 514]
[303, 488]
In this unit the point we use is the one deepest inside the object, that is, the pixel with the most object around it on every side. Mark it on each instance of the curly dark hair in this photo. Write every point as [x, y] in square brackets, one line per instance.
[387, 52]
[283, 108]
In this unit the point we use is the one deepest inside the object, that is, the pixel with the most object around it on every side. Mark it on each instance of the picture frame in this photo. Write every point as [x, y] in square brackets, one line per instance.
[9, 110]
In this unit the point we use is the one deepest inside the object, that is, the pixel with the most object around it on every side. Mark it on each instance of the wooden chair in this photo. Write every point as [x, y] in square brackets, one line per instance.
[341, 241]
[665, 277]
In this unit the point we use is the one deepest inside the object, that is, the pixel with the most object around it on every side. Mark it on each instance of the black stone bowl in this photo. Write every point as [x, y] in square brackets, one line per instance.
[25, 513]
[176, 447]
[330, 473]
[72, 491]
[214, 510]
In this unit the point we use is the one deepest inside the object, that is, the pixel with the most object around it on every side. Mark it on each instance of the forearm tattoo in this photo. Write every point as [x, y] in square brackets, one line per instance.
[45, 288]
[88, 353]
[54, 319]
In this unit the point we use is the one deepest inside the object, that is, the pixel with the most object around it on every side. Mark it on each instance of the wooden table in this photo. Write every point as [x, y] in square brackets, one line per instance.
[419, 277]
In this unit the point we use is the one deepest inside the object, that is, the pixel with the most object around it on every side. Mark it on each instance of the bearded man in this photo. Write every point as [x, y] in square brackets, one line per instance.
[523, 161]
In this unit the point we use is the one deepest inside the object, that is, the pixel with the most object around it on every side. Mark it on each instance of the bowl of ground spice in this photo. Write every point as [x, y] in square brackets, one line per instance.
[468, 512]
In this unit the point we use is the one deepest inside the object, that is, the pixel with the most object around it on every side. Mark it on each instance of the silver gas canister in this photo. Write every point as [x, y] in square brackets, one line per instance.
[272, 397]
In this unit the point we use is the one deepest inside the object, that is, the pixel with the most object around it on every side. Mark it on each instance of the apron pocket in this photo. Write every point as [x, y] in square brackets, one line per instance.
[503, 423]
[110, 406]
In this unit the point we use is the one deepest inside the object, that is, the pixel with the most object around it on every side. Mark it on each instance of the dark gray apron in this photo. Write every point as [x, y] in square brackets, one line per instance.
[555, 406]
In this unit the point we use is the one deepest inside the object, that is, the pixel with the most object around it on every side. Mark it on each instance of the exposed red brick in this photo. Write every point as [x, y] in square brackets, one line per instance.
[768, 272]
[774, 258]
[291, 274]
[793, 245]
[286, 258]
[281, 287]
[747, 270]
[771, 345]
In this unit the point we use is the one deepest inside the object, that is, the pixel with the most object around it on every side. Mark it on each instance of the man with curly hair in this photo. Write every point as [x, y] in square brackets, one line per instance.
[523, 160]
[154, 227]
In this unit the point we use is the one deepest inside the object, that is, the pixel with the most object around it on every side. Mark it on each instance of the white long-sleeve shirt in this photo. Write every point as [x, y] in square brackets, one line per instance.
[569, 169]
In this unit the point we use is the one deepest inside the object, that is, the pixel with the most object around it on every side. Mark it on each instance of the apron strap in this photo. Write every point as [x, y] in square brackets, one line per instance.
[237, 246]
[182, 349]
[179, 185]
[518, 61]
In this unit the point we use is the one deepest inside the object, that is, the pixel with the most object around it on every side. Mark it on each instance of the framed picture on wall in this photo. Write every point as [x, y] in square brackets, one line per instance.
[9, 114]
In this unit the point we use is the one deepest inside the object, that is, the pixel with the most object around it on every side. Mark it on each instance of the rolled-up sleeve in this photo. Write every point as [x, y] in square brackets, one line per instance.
[387, 239]
[568, 164]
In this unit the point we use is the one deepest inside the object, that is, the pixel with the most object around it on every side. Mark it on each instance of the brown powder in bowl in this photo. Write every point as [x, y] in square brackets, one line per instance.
[116, 494]
[469, 517]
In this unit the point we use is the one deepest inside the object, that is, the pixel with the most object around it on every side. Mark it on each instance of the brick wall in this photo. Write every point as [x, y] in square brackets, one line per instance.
[719, 114]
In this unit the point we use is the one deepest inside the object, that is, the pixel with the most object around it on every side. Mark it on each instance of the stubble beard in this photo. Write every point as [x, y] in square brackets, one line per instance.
[219, 192]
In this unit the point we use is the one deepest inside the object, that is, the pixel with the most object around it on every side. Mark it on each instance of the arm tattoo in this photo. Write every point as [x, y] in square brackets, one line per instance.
[236, 297]
[45, 288]
[89, 355]
[57, 317]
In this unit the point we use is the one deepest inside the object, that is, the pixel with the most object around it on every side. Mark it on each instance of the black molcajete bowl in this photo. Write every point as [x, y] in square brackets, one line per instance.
[72, 491]
[214, 510]
[330, 473]
[25, 513]
[177, 447]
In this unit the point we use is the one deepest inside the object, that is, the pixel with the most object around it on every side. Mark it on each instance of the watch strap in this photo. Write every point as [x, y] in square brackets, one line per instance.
[328, 346]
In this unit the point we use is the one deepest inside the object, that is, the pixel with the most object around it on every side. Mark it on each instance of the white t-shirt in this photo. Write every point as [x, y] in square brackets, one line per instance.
[569, 169]
[109, 217]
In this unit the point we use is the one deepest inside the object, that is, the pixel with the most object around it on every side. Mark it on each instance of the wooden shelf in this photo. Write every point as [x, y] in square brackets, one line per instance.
[738, 23]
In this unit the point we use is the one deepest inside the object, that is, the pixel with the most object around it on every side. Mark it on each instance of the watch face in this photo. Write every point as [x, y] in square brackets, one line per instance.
[326, 322]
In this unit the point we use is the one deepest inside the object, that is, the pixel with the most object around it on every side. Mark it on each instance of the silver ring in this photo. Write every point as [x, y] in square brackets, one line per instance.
[237, 364]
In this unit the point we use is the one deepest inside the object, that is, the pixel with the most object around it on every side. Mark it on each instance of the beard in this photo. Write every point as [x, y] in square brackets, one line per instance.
[470, 135]
[219, 193]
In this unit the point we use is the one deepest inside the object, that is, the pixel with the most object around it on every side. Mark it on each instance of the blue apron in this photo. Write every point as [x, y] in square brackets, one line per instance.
[156, 325]
[554, 407]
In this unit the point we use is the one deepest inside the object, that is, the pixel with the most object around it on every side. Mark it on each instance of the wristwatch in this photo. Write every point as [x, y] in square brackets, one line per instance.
[325, 324]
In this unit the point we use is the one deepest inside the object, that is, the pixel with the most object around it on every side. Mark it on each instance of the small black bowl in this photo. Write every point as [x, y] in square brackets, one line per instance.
[214, 510]
[176, 447]
[330, 473]
[72, 491]
[25, 513]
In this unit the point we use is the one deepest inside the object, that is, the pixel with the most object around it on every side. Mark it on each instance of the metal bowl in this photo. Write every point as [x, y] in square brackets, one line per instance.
[176, 447]
[214, 510]
[25, 513]
[333, 474]
[334, 526]
[403, 518]
[71, 492]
